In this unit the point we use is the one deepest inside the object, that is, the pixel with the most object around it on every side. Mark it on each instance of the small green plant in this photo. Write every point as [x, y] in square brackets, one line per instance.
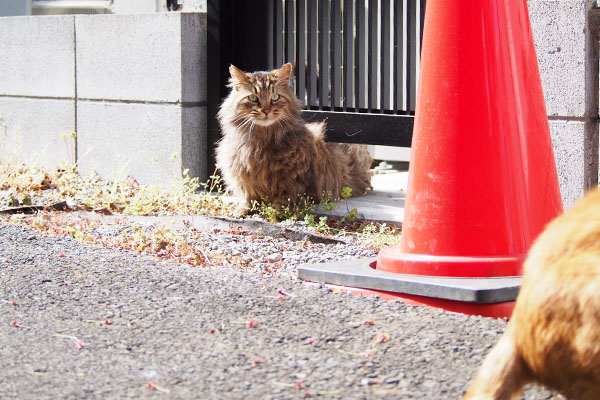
[304, 209]
[352, 214]
[328, 205]
[21, 185]
[293, 210]
[322, 225]
[309, 219]
[379, 235]
[70, 145]
[124, 196]
[346, 192]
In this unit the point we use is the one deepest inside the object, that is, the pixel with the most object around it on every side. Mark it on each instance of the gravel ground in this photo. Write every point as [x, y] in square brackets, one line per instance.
[81, 321]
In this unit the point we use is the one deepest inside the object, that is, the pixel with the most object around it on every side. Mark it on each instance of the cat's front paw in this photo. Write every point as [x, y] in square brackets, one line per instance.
[241, 211]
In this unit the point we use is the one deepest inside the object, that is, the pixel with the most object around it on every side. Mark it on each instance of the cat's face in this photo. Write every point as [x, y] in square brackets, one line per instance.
[263, 98]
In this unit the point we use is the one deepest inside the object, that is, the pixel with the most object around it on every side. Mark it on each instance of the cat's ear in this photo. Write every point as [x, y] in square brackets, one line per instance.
[238, 77]
[283, 74]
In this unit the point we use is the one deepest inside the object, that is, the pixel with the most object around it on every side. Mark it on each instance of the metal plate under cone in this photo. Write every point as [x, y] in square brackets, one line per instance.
[361, 274]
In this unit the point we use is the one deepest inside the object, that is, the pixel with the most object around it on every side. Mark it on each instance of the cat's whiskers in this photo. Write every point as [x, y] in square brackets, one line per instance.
[239, 117]
[244, 118]
[242, 127]
[248, 122]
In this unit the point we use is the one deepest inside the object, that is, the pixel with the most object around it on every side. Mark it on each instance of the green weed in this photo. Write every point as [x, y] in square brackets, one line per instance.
[23, 185]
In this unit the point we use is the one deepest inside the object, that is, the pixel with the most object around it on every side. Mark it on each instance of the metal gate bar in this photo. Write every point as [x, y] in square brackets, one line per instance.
[351, 55]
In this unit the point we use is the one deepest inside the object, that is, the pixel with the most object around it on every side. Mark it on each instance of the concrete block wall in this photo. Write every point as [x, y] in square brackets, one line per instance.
[141, 89]
[562, 39]
[37, 89]
[133, 87]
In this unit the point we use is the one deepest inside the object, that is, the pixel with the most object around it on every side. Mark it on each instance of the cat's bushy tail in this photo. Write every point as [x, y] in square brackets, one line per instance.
[359, 163]
[503, 373]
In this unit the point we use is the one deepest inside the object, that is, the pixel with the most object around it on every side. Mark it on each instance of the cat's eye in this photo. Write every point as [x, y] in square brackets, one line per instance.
[275, 97]
[253, 98]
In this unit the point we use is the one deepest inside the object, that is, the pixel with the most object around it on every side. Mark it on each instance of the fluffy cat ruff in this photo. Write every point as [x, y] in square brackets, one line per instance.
[268, 153]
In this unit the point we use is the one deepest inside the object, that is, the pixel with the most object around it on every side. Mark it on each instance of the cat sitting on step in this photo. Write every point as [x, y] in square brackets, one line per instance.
[268, 153]
[553, 337]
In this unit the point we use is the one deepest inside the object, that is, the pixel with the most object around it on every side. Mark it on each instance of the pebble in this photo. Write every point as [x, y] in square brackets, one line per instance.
[252, 251]
[273, 258]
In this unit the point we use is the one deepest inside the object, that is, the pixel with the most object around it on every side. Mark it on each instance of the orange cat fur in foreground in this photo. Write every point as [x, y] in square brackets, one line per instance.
[553, 337]
[268, 153]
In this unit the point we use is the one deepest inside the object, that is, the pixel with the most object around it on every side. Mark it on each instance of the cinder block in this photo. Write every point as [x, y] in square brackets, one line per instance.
[559, 33]
[152, 58]
[568, 140]
[32, 130]
[193, 141]
[193, 57]
[152, 143]
[37, 56]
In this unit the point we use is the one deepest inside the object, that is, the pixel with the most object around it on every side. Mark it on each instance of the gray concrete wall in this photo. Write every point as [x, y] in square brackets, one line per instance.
[37, 89]
[133, 87]
[141, 88]
[561, 36]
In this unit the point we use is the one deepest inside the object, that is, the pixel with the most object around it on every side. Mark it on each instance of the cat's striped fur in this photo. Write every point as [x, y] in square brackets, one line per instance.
[268, 153]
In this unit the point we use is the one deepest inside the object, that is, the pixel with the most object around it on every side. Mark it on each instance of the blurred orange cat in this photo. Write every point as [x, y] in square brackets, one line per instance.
[553, 337]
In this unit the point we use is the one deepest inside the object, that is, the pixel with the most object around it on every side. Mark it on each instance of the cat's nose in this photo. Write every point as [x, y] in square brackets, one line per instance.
[267, 111]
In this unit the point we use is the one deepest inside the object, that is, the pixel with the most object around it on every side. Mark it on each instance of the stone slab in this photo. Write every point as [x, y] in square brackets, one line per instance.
[559, 34]
[32, 130]
[145, 141]
[385, 203]
[389, 153]
[142, 57]
[37, 56]
[360, 274]
[376, 205]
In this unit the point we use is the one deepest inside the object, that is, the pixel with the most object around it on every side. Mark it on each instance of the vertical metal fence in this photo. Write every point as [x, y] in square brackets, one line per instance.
[351, 55]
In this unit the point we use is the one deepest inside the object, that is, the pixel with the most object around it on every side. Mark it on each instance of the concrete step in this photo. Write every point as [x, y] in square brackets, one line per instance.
[385, 203]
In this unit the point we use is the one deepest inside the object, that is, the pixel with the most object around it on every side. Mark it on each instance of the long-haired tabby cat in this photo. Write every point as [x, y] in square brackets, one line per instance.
[268, 153]
[553, 336]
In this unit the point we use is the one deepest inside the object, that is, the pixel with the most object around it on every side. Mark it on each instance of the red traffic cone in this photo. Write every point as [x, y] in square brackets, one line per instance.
[483, 181]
